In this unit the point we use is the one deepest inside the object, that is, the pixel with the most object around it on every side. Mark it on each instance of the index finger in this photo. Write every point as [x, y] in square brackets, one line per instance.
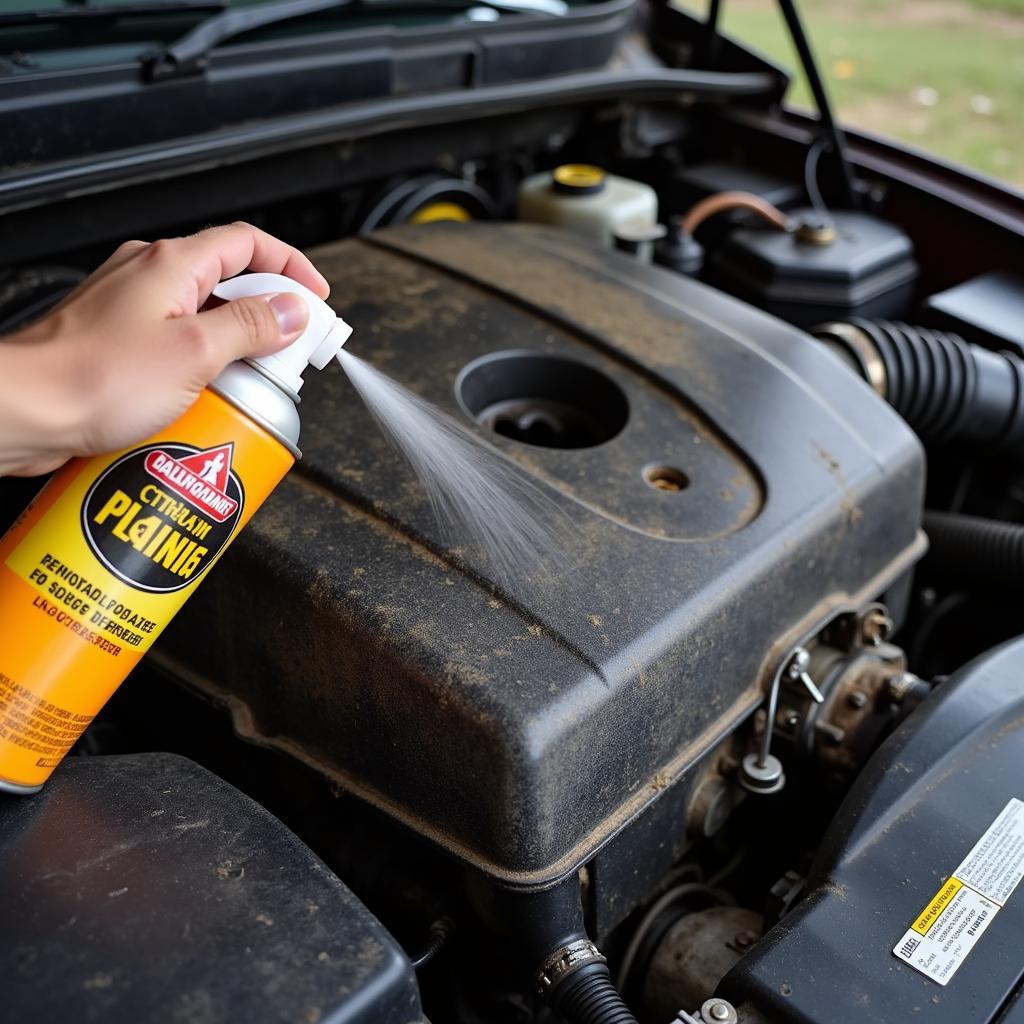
[222, 252]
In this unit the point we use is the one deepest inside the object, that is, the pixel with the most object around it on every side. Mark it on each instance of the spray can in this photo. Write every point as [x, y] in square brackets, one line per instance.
[113, 545]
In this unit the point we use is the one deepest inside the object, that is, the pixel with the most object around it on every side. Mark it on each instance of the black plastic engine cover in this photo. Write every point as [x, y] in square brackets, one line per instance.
[921, 804]
[144, 888]
[523, 727]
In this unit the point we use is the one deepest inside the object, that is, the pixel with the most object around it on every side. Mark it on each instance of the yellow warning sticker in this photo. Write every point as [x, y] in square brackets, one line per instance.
[936, 907]
[938, 942]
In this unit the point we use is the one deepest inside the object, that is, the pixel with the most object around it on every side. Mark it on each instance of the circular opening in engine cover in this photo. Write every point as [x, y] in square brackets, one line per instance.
[543, 400]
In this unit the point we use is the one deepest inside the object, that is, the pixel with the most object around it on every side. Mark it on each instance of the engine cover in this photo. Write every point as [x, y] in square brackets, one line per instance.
[142, 888]
[522, 727]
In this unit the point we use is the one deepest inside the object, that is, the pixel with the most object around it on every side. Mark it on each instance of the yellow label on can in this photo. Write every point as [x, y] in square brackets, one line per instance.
[155, 520]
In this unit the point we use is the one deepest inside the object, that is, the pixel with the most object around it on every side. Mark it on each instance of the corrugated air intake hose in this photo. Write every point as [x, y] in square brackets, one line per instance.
[587, 996]
[946, 389]
[974, 548]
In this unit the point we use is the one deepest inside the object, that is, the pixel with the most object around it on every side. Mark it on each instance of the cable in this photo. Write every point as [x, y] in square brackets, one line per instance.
[819, 146]
[439, 932]
[821, 100]
[735, 200]
[963, 488]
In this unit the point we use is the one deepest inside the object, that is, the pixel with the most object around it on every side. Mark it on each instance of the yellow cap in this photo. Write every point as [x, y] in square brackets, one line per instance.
[583, 179]
[440, 211]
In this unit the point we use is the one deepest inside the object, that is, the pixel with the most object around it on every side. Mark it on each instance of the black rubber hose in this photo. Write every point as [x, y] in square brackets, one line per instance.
[439, 932]
[976, 548]
[571, 973]
[946, 389]
[587, 996]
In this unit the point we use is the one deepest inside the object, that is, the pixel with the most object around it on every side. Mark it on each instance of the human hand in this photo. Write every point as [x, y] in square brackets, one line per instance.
[129, 350]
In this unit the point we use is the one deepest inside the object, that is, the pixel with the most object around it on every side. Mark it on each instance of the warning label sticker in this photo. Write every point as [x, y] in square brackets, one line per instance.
[946, 930]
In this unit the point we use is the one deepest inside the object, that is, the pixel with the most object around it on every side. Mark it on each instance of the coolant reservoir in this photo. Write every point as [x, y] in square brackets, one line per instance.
[588, 201]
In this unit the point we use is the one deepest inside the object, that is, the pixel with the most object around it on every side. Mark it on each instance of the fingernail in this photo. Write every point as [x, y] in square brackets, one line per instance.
[291, 312]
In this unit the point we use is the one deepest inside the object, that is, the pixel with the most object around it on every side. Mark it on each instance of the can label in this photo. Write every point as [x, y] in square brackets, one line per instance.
[156, 518]
[159, 516]
[102, 560]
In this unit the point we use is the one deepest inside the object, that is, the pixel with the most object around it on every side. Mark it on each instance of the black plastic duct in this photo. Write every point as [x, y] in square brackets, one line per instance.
[946, 389]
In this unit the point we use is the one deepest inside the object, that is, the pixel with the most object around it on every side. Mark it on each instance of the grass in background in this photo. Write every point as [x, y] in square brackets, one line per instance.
[946, 76]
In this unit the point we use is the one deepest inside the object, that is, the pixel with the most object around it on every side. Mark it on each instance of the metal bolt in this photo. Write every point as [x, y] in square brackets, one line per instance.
[718, 1011]
[791, 719]
[856, 699]
[875, 627]
[744, 940]
[899, 686]
[798, 663]
[796, 670]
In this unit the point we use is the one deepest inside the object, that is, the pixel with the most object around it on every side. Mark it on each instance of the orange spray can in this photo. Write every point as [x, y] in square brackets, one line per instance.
[113, 545]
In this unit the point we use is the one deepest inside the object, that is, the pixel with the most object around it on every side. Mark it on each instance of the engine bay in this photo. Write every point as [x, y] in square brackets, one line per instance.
[726, 752]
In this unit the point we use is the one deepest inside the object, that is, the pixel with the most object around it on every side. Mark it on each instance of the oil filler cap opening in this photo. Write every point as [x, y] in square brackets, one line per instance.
[543, 400]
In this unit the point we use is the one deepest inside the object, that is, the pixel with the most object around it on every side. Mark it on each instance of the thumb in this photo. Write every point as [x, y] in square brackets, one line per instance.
[253, 326]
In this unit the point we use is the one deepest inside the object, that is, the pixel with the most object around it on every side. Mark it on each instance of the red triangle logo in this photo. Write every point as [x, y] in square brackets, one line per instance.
[211, 466]
[201, 479]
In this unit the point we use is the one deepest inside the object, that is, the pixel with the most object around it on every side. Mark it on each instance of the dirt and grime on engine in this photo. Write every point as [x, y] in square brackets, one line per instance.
[623, 668]
[429, 322]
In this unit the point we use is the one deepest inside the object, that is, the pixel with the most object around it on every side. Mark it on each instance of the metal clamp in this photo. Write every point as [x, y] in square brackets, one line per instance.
[762, 772]
[565, 960]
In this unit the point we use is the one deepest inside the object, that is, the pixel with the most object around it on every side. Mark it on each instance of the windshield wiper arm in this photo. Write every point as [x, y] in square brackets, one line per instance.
[190, 53]
[88, 12]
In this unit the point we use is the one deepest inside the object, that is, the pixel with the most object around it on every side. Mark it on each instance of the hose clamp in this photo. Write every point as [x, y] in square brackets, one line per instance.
[564, 961]
[858, 343]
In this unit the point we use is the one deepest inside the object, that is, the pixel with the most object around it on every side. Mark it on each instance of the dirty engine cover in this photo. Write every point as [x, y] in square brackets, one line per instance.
[522, 726]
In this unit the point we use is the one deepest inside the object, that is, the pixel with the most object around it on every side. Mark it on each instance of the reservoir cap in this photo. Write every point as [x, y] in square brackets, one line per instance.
[578, 179]
[323, 338]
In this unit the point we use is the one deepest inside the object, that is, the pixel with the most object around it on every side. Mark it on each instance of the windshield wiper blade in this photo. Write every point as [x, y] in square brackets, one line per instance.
[81, 12]
[554, 8]
[190, 54]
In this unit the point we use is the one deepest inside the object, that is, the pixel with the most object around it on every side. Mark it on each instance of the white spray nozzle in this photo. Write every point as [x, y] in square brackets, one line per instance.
[319, 343]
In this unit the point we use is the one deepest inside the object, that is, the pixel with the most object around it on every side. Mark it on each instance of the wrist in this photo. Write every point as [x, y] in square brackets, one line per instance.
[43, 399]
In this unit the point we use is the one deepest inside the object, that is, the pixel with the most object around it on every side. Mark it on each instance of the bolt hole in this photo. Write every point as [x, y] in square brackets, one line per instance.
[666, 478]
